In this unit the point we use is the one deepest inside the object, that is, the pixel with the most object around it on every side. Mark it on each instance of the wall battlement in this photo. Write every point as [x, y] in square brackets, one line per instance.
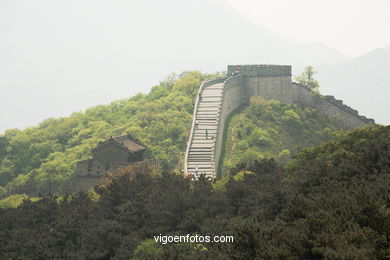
[340, 104]
[262, 70]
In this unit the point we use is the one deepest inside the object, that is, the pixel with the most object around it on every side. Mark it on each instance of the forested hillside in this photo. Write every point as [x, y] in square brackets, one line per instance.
[41, 159]
[331, 202]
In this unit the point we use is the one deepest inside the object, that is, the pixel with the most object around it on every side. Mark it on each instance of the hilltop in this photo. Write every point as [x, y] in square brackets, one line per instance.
[42, 159]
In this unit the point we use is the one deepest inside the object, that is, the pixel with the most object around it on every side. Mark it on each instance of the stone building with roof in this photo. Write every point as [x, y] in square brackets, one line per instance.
[111, 154]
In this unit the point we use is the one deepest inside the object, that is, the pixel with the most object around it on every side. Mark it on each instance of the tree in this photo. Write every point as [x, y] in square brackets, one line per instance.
[306, 79]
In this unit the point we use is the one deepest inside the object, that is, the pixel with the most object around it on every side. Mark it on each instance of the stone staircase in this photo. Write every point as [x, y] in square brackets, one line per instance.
[200, 151]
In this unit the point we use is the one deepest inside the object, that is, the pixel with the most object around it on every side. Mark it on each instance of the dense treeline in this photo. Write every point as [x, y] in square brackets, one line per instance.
[270, 129]
[331, 202]
[42, 159]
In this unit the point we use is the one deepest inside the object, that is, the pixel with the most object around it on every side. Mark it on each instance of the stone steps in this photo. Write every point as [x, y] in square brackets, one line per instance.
[201, 150]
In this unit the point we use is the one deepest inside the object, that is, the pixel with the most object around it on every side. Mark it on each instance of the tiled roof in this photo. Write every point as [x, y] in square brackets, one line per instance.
[131, 143]
[125, 142]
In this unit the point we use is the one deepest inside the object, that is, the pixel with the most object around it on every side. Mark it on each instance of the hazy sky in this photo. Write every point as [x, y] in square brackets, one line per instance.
[58, 57]
[353, 27]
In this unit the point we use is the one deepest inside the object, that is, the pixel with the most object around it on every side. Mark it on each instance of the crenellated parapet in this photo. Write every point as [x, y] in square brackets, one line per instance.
[330, 103]
[353, 112]
[262, 70]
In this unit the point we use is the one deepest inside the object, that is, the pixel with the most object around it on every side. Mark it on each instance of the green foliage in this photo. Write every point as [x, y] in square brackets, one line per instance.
[291, 119]
[148, 249]
[306, 79]
[259, 137]
[331, 202]
[15, 200]
[241, 175]
[269, 129]
[284, 156]
[220, 184]
[92, 195]
[42, 159]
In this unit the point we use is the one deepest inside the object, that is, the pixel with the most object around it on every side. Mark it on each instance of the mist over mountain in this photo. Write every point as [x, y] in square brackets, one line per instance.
[61, 57]
[362, 82]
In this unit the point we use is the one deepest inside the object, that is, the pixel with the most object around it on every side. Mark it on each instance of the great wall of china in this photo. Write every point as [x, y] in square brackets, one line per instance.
[218, 98]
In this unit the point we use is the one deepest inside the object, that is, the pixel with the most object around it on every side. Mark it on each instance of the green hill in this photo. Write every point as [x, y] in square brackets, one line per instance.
[42, 158]
[269, 129]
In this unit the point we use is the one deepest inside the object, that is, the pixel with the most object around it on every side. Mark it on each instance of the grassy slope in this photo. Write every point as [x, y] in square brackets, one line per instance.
[268, 129]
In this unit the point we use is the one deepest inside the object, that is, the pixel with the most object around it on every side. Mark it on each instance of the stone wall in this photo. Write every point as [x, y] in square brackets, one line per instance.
[282, 89]
[110, 154]
[276, 87]
[233, 98]
[342, 114]
[90, 167]
[107, 158]
[262, 70]
[82, 167]
[274, 82]
[85, 182]
[82, 183]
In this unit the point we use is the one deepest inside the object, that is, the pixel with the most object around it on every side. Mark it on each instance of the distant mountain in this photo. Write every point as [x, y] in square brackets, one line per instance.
[362, 82]
[323, 53]
[60, 57]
